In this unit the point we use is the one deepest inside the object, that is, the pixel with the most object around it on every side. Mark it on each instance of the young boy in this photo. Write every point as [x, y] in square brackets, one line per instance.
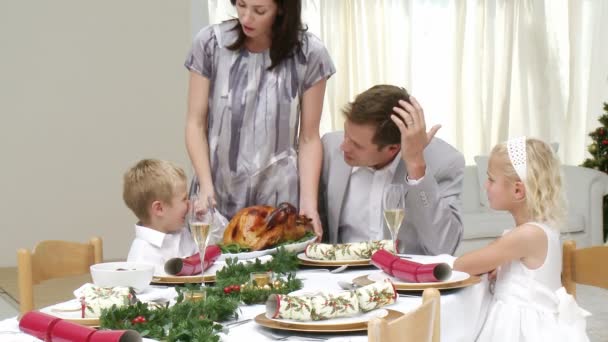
[155, 190]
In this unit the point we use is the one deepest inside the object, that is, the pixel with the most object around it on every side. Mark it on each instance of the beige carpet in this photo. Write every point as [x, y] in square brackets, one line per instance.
[49, 292]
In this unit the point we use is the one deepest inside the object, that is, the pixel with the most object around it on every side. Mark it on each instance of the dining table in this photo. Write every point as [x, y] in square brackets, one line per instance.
[463, 309]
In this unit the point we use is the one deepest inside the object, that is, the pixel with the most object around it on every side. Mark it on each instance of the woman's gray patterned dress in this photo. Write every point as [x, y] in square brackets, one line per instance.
[254, 116]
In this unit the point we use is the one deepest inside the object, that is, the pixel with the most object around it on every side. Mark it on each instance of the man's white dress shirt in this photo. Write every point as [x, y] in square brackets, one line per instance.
[153, 247]
[361, 217]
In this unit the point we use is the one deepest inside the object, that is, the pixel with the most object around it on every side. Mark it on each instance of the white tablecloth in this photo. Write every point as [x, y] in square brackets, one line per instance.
[462, 312]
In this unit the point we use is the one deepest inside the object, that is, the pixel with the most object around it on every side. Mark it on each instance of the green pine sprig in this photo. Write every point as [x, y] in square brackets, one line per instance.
[283, 264]
[189, 321]
[252, 294]
[184, 322]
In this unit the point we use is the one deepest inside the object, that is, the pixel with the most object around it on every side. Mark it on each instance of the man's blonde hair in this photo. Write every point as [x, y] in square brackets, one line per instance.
[545, 200]
[150, 180]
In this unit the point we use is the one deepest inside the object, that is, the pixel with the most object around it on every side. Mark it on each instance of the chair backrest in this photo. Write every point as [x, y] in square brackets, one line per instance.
[585, 266]
[53, 259]
[420, 325]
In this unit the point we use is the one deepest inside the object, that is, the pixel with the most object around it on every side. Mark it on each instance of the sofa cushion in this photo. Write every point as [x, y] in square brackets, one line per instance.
[486, 223]
[576, 223]
[482, 176]
[470, 190]
[489, 223]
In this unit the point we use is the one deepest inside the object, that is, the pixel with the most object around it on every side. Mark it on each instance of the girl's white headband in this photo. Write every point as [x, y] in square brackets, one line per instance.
[517, 154]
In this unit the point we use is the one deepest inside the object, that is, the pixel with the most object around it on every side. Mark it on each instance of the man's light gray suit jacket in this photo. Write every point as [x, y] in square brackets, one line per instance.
[433, 223]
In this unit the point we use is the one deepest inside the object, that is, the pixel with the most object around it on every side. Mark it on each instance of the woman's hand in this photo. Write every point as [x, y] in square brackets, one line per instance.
[313, 214]
[203, 201]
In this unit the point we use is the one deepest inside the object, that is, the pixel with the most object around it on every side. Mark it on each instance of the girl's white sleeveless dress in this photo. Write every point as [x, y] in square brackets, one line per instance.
[531, 305]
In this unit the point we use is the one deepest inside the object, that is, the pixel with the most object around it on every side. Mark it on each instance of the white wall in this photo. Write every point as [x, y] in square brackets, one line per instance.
[86, 90]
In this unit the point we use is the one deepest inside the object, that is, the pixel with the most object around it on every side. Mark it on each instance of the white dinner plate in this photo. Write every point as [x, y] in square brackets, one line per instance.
[342, 324]
[71, 312]
[457, 280]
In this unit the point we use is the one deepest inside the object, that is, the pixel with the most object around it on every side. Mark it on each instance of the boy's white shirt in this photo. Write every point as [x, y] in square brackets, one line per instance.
[153, 247]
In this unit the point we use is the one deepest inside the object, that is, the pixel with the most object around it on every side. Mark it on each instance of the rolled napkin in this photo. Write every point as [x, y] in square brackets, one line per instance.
[298, 308]
[54, 329]
[327, 306]
[192, 264]
[376, 295]
[410, 271]
[97, 298]
[347, 251]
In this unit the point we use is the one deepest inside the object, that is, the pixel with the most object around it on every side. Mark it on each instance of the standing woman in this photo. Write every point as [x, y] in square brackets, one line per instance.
[254, 106]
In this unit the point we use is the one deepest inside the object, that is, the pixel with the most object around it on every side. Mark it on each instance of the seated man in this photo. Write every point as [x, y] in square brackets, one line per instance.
[385, 141]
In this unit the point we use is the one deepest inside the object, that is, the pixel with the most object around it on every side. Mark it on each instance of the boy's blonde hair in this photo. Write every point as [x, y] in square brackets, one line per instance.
[150, 180]
[545, 199]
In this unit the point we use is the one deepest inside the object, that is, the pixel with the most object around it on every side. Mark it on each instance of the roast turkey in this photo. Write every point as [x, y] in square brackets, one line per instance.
[260, 227]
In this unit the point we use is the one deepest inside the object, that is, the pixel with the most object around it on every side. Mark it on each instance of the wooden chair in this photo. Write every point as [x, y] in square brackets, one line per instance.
[420, 325]
[53, 259]
[584, 266]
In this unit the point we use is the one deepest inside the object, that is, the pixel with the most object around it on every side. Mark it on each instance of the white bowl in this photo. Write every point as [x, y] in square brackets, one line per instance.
[110, 274]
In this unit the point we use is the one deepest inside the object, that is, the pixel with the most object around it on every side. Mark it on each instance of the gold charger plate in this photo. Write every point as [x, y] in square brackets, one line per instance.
[89, 322]
[304, 260]
[73, 316]
[440, 285]
[264, 321]
[207, 278]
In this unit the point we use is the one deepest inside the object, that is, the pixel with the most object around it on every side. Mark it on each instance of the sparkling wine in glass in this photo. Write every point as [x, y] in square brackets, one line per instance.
[200, 226]
[393, 205]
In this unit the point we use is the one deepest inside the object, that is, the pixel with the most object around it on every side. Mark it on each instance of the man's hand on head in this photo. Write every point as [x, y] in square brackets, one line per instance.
[409, 118]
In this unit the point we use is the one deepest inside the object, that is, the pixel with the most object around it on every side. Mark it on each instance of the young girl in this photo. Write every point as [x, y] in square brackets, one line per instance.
[529, 303]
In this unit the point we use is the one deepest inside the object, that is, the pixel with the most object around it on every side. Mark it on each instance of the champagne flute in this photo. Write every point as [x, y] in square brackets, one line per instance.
[393, 205]
[200, 222]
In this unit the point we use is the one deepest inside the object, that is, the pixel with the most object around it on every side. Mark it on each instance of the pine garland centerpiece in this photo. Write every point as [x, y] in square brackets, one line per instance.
[197, 320]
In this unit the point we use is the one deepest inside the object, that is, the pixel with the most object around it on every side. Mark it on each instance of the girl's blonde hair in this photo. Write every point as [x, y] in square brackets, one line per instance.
[544, 199]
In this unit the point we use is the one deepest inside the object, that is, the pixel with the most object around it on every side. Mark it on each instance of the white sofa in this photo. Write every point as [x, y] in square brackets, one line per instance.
[585, 189]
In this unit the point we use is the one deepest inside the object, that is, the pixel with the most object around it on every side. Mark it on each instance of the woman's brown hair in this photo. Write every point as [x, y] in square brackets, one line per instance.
[286, 31]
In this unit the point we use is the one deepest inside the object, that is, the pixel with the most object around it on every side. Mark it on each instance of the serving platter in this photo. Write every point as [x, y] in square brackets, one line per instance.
[296, 247]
